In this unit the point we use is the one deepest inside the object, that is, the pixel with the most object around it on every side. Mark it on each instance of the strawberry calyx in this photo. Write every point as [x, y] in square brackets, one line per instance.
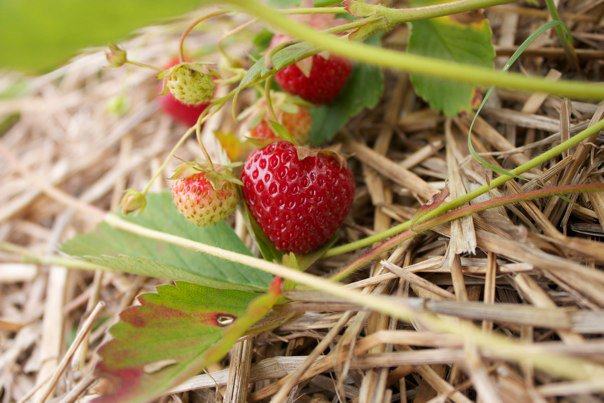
[258, 142]
[200, 67]
[333, 151]
[217, 175]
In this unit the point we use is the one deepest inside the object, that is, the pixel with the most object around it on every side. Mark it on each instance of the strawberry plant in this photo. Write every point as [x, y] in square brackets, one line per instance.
[321, 67]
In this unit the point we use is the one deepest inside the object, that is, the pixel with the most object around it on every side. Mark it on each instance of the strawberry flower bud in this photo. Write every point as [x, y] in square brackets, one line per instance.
[133, 200]
[116, 56]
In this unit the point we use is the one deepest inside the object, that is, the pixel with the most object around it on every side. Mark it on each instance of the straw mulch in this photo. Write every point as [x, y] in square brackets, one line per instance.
[544, 253]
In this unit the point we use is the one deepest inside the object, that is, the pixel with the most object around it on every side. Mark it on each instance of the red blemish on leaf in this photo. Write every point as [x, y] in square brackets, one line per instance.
[133, 316]
[165, 328]
[166, 313]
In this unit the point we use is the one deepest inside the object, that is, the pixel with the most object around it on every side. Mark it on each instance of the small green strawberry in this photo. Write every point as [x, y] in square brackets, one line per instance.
[190, 84]
[205, 194]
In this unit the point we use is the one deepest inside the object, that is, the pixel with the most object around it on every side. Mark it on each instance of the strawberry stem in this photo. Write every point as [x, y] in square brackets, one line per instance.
[314, 10]
[397, 16]
[452, 215]
[181, 42]
[269, 100]
[564, 35]
[498, 181]
[144, 65]
[202, 118]
[201, 145]
[163, 165]
[415, 63]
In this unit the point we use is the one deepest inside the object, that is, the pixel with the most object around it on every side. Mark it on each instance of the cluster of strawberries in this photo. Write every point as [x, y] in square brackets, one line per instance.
[298, 196]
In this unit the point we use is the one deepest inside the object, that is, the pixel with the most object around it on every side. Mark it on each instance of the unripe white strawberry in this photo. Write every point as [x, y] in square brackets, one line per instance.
[189, 84]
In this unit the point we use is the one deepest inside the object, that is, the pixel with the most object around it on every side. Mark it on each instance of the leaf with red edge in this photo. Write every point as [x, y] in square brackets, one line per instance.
[173, 334]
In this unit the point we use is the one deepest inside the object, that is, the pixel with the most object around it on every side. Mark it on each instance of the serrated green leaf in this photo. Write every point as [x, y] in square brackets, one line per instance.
[362, 90]
[36, 35]
[122, 251]
[292, 53]
[449, 38]
[172, 335]
[280, 59]
[256, 70]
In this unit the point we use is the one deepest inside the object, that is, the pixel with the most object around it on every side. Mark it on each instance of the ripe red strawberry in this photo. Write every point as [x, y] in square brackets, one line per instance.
[298, 203]
[297, 124]
[182, 113]
[322, 85]
[204, 197]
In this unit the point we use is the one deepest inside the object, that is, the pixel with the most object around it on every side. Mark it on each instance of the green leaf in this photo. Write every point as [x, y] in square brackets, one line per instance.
[450, 38]
[256, 70]
[362, 90]
[122, 251]
[173, 334]
[292, 53]
[36, 35]
[280, 59]
[281, 131]
[267, 249]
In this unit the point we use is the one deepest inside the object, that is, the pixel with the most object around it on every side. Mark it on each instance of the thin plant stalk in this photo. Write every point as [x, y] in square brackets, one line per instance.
[414, 63]
[564, 35]
[393, 242]
[398, 16]
[498, 181]
[558, 365]
[508, 64]
[191, 27]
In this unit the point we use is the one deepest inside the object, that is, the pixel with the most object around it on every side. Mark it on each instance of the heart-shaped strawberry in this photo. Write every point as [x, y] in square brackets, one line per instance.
[299, 202]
